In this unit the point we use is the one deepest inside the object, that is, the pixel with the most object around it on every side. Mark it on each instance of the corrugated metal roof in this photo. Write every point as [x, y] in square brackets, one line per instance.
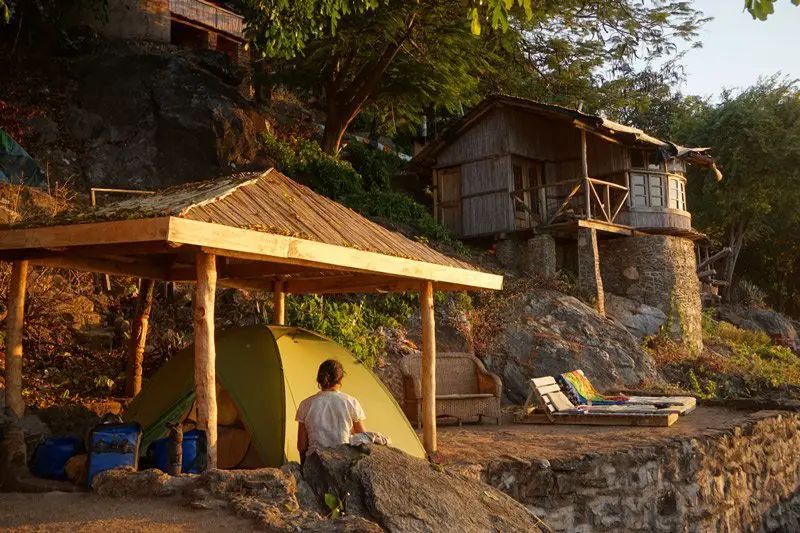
[269, 202]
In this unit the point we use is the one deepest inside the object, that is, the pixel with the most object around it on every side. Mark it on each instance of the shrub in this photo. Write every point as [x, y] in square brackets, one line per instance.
[748, 294]
[376, 166]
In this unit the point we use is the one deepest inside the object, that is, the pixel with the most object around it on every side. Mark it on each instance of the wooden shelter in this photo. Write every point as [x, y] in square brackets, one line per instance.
[252, 231]
[513, 165]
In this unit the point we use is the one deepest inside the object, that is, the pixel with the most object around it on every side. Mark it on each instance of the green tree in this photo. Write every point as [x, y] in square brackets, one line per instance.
[408, 55]
[762, 9]
[755, 136]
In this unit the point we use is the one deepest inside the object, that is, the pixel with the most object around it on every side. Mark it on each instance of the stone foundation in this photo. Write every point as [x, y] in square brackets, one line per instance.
[741, 479]
[660, 271]
[542, 257]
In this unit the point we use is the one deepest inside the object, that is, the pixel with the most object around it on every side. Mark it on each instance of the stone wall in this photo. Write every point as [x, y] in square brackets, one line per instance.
[743, 479]
[657, 270]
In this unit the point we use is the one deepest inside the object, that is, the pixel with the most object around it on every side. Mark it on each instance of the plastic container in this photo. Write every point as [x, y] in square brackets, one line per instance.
[195, 456]
[51, 456]
[113, 446]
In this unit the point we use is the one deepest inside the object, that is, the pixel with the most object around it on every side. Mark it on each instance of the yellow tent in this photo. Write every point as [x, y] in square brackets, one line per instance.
[265, 372]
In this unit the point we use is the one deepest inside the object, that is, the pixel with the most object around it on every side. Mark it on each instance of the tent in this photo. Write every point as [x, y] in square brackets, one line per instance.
[17, 166]
[263, 373]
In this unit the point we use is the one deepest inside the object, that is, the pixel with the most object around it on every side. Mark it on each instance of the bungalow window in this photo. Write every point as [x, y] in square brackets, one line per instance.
[677, 194]
[647, 190]
[647, 159]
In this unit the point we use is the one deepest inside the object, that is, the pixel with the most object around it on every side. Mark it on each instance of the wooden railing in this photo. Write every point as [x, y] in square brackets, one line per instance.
[209, 15]
[587, 198]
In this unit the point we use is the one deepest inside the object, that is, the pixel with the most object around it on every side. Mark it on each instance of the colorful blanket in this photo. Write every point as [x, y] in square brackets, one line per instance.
[581, 391]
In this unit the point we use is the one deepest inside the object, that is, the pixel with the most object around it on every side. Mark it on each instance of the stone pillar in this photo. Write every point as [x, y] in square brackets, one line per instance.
[211, 42]
[589, 278]
[508, 253]
[542, 255]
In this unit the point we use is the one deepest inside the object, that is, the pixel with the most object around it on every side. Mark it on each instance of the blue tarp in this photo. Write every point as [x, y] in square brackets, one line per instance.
[17, 166]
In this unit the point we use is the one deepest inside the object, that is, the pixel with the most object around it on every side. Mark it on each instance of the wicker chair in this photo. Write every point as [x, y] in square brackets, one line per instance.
[464, 388]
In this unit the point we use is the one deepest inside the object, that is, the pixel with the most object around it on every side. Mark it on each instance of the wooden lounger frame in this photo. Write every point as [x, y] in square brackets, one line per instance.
[548, 397]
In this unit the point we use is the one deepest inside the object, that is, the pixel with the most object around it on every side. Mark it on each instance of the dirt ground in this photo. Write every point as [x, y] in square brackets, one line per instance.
[70, 512]
[479, 443]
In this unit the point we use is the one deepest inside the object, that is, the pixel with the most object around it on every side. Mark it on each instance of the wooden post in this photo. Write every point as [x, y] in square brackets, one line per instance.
[428, 368]
[279, 303]
[133, 370]
[205, 381]
[607, 200]
[14, 320]
[587, 194]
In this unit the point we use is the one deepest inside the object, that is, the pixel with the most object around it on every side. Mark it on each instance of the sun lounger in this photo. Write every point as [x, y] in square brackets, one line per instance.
[678, 404]
[558, 409]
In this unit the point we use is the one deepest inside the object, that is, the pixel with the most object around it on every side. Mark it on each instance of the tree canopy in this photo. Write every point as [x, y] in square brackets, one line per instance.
[404, 56]
[755, 136]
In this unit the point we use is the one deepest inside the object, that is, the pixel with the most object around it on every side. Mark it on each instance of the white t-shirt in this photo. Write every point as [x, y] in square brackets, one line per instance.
[329, 417]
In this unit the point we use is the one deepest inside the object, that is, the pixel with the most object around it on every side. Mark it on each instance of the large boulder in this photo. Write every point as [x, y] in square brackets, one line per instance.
[640, 319]
[143, 116]
[547, 333]
[779, 327]
[405, 494]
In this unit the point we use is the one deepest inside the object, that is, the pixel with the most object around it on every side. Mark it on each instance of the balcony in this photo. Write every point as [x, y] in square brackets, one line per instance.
[209, 15]
[654, 201]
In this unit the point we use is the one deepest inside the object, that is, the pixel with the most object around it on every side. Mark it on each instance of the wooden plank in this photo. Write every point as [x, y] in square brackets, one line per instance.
[604, 226]
[14, 321]
[544, 389]
[133, 368]
[601, 419]
[428, 368]
[544, 380]
[279, 303]
[133, 267]
[205, 352]
[585, 174]
[560, 401]
[118, 232]
[282, 249]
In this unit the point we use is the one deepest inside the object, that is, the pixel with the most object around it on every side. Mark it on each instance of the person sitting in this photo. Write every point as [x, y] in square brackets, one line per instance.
[328, 418]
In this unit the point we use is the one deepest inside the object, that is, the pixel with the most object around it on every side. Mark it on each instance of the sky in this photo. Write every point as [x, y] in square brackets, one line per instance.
[738, 49]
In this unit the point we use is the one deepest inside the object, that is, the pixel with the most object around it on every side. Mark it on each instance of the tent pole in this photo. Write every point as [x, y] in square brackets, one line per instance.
[133, 370]
[205, 351]
[14, 320]
[279, 305]
[428, 368]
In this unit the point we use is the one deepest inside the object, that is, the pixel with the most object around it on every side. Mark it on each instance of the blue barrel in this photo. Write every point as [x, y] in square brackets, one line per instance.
[195, 456]
[51, 456]
[113, 446]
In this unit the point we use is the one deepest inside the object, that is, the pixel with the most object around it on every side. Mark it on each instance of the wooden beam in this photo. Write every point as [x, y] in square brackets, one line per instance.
[291, 250]
[14, 321]
[99, 233]
[279, 303]
[129, 267]
[205, 381]
[428, 368]
[585, 171]
[133, 369]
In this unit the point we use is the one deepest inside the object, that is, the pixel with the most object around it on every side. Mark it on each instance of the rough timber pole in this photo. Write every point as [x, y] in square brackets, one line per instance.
[16, 313]
[279, 303]
[428, 369]
[205, 352]
[133, 370]
[587, 194]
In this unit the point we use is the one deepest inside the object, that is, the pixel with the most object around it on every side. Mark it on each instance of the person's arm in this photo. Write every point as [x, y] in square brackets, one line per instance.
[358, 427]
[302, 440]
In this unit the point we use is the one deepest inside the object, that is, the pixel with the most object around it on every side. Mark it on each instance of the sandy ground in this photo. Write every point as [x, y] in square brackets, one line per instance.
[477, 443]
[86, 513]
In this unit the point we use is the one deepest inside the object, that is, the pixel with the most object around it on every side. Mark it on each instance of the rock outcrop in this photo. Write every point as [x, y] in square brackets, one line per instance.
[640, 319]
[547, 333]
[141, 116]
[370, 489]
[780, 328]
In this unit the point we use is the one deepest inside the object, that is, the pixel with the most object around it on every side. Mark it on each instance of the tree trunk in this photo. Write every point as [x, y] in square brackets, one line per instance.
[133, 371]
[736, 240]
[336, 124]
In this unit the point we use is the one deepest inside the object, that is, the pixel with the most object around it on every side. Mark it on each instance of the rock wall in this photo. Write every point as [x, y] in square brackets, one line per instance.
[660, 271]
[747, 479]
[128, 19]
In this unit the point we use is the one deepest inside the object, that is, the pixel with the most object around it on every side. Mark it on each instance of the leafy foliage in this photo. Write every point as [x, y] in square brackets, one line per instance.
[762, 9]
[736, 362]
